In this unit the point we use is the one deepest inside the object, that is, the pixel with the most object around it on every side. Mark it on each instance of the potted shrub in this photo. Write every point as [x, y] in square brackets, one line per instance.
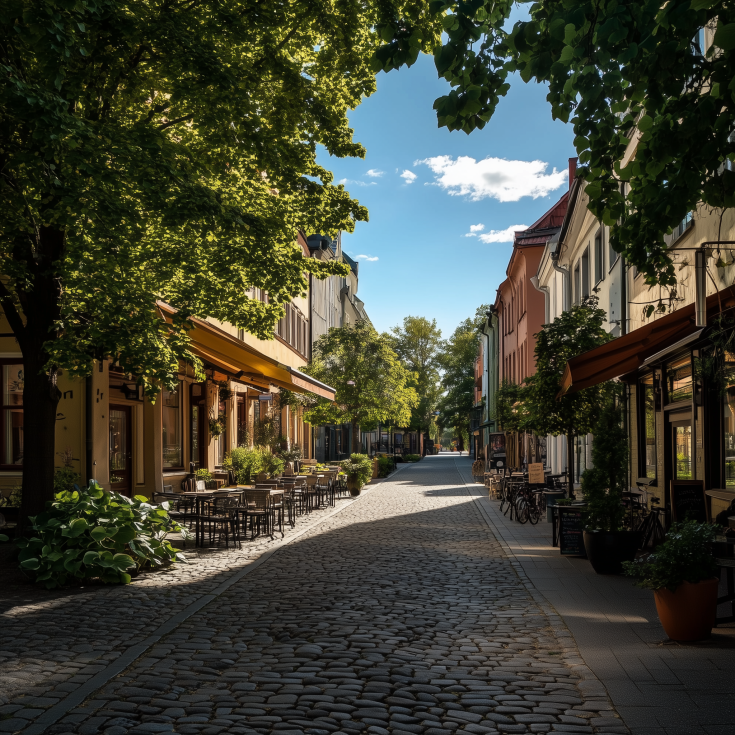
[681, 574]
[606, 542]
[358, 469]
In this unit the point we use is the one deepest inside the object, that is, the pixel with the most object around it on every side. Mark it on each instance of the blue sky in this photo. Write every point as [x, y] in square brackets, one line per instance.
[425, 266]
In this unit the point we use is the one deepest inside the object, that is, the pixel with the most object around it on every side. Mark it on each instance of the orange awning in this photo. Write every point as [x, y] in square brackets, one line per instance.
[241, 361]
[628, 353]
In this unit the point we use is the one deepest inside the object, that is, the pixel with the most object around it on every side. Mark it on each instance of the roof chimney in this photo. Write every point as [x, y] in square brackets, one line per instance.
[572, 170]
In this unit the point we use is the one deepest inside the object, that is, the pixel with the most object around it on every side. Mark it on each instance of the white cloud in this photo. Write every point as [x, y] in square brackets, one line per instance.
[369, 258]
[474, 229]
[374, 173]
[497, 178]
[502, 235]
[353, 182]
[409, 176]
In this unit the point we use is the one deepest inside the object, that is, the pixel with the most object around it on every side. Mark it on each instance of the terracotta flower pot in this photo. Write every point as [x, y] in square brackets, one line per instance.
[688, 614]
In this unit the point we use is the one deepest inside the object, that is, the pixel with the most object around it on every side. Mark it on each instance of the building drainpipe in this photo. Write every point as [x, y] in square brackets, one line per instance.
[567, 287]
[545, 291]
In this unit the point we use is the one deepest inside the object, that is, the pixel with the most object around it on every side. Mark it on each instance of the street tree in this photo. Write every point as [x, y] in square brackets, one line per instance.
[619, 72]
[417, 343]
[457, 363]
[167, 151]
[545, 410]
[372, 385]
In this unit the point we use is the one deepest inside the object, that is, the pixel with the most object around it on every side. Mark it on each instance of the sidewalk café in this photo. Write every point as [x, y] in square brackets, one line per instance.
[680, 404]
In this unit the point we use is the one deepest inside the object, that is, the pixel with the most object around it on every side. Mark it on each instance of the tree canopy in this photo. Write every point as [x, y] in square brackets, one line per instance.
[619, 72]
[154, 150]
[371, 382]
[417, 343]
[543, 410]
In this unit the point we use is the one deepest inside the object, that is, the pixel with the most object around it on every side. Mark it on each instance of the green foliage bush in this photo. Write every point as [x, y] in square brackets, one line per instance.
[358, 467]
[604, 483]
[411, 457]
[203, 474]
[93, 534]
[684, 556]
[385, 466]
[65, 478]
[246, 463]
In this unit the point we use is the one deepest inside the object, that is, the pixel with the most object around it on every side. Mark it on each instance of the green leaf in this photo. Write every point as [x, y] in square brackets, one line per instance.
[31, 563]
[98, 533]
[122, 561]
[725, 36]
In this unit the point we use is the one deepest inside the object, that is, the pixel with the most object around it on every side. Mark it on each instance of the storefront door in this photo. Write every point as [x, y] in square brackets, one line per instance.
[121, 456]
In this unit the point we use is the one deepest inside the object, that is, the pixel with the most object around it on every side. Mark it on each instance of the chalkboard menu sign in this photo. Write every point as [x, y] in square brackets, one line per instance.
[688, 501]
[571, 525]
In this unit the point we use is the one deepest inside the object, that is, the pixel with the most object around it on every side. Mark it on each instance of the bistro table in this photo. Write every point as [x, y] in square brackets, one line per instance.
[200, 496]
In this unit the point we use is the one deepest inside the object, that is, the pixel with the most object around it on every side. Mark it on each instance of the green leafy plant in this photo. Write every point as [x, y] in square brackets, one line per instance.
[603, 484]
[203, 474]
[65, 478]
[411, 457]
[12, 500]
[684, 556]
[358, 468]
[93, 534]
[216, 425]
[291, 455]
[270, 464]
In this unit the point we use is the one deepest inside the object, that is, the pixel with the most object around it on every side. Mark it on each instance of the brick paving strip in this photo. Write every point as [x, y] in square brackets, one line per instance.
[400, 614]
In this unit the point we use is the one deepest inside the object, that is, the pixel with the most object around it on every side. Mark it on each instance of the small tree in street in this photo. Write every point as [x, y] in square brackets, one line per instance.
[548, 413]
[371, 382]
[418, 342]
[457, 361]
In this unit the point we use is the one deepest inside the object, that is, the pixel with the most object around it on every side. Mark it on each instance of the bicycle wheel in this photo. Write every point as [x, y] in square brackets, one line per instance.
[521, 510]
[534, 514]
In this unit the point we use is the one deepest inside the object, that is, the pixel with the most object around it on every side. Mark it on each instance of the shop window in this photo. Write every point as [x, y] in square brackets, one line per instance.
[172, 440]
[648, 428]
[599, 258]
[585, 275]
[679, 381]
[12, 423]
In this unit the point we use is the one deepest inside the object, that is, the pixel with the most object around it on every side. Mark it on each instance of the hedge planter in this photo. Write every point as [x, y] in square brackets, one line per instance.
[607, 550]
[688, 614]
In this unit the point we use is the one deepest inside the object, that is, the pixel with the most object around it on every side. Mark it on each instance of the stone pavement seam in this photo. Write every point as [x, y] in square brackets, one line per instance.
[126, 659]
[556, 621]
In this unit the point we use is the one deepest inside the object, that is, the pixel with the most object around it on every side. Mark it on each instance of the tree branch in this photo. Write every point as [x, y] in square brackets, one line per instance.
[176, 121]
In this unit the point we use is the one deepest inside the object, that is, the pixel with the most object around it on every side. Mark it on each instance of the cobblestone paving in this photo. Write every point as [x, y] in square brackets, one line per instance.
[400, 614]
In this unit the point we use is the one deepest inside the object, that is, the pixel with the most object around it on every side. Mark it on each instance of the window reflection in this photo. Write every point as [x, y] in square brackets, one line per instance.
[679, 381]
[683, 445]
[729, 424]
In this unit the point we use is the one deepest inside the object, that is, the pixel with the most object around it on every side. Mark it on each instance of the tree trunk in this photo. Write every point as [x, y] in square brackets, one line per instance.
[355, 437]
[570, 465]
[33, 313]
[40, 401]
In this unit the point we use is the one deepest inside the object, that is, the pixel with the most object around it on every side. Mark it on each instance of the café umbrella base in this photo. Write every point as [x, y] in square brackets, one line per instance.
[607, 550]
[688, 613]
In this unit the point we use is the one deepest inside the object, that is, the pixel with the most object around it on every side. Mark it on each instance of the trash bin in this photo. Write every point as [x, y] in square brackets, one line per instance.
[551, 497]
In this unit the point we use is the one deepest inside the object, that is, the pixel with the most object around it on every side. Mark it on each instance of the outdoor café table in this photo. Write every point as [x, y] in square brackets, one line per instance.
[200, 496]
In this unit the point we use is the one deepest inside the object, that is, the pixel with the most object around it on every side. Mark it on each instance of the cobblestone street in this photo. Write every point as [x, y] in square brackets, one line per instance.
[395, 613]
